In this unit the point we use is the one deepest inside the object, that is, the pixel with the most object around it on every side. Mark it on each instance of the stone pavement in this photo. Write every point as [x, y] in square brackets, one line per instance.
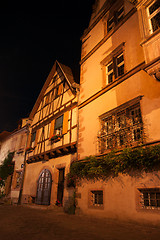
[23, 223]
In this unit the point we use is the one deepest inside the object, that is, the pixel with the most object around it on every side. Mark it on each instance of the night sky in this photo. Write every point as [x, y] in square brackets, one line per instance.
[31, 39]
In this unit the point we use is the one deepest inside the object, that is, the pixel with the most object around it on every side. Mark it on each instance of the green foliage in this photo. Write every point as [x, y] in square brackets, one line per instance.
[6, 168]
[129, 159]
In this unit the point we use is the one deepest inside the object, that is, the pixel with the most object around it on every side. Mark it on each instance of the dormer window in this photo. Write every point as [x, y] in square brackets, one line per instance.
[153, 12]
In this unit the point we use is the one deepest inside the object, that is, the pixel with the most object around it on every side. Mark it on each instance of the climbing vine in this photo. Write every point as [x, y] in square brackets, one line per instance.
[129, 159]
[6, 168]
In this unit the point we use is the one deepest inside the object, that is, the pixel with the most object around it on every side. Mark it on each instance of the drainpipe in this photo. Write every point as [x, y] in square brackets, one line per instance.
[24, 166]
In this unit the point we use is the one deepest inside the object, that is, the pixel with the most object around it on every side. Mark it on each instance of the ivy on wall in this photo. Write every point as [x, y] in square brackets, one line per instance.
[142, 159]
[6, 168]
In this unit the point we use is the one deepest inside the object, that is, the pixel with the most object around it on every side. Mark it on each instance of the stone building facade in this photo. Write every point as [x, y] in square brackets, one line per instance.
[119, 104]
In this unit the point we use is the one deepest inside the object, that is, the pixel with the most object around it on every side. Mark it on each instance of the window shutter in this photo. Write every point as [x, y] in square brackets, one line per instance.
[51, 129]
[65, 122]
[60, 89]
[36, 139]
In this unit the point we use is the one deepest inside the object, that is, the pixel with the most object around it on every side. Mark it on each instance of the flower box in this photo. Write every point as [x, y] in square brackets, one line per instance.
[56, 138]
[29, 149]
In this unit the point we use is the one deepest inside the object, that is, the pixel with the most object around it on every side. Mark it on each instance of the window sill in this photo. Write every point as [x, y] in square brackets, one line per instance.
[56, 138]
[150, 36]
[98, 207]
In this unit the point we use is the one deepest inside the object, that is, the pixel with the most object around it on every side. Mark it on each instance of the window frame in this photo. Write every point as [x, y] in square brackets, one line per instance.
[146, 202]
[95, 202]
[109, 73]
[58, 129]
[97, 197]
[151, 16]
[115, 67]
[106, 62]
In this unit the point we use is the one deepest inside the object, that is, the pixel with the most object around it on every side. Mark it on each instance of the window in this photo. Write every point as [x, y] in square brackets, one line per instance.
[115, 18]
[153, 12]
[115, 68]
[150, 198]
[119, 65]
[97, 198]
[120, 128]
[58, 126]
[109, 72]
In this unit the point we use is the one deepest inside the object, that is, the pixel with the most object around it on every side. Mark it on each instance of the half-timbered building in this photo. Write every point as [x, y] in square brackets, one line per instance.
[52, 141]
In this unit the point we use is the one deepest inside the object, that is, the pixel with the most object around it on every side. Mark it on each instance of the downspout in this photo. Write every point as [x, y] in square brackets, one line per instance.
[24, 166]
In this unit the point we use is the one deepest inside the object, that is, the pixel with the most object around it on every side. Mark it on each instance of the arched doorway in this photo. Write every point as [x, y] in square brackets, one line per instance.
[44, 188]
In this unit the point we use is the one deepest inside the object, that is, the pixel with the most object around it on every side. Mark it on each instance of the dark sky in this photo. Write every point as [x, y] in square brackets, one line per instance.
[31, 39]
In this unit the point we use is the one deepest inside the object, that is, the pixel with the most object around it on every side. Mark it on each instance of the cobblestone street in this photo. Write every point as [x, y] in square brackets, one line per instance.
[17, 222]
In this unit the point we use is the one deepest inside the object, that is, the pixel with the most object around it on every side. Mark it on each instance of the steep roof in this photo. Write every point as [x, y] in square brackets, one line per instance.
[67, 73]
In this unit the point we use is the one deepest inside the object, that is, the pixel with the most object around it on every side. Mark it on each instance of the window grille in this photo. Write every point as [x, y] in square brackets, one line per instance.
[120, 129]
[97, 198]
[150, 198]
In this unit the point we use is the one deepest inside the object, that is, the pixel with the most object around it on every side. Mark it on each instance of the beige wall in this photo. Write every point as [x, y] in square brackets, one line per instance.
[139, 84]
[121, 197]
[91, 70]
[34, 170]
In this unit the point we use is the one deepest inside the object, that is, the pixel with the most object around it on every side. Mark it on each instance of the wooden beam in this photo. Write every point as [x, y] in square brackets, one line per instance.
[65, 149]
[58, 151]
[46, 157]
[52, 154]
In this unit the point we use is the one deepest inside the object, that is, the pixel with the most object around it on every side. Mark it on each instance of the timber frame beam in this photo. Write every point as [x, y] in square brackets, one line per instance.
[53, 153]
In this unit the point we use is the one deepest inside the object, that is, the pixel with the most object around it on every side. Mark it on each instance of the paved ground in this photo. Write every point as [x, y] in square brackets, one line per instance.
[23, 223]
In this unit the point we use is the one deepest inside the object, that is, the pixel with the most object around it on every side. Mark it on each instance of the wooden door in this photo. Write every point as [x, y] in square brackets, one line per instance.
[60, 189]
[44, 188]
